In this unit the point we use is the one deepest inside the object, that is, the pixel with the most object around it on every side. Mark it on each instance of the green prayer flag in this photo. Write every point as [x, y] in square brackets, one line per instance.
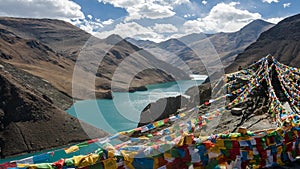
[69, 162]
[228, 144]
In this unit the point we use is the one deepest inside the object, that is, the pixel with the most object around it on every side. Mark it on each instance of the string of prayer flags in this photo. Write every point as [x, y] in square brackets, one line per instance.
[175, 146]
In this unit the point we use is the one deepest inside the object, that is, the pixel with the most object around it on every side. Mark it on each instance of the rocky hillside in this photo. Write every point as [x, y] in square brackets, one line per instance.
[38, 58]
[282, 41]
[29, 121]
[190, 48]
[49, 49]
[229, 45]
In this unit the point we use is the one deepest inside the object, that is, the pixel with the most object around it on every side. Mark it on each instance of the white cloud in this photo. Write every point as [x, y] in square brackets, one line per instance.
[188, 15]
[133, 30]
[108, 22]
[90, 16]
[62, 9]
[222, 18]
[286, 5]
[274, 20]
[132, 3]
[91, 26]
[164, 28]
[152, 9]
[192, 26]
[270, 1]
[87, 25]
[204, 2]
[121, 3]
[171, 2]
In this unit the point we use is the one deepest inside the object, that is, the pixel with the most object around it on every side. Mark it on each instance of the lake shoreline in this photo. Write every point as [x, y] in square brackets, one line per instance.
[125, 107]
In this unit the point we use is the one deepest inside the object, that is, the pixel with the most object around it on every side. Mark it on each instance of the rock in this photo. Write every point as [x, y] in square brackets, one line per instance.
[29, 122]
[1, 113]
[161, 109]
[1, 67]
[134, 89]
[47, 98]
[5, 56]
[199, 94]
[237, 111]
[104, 95]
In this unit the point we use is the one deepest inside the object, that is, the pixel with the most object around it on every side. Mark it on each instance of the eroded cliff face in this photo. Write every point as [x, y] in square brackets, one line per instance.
[31, 123]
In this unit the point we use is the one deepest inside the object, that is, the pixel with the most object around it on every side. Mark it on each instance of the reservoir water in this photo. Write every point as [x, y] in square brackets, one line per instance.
[123, 111]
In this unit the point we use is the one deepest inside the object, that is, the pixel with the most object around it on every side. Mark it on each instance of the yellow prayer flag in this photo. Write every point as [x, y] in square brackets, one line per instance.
[215, 149]
[156, 163]
[71, 149]
[128, 158]
[220, 143]
[144, 138]
[250, 155]
[188, 139]
[83, 161]
[111, 153]
[22, 165]
[181, 115]
[167, 155]
[181, 142]
[110, 163]
[32, 166]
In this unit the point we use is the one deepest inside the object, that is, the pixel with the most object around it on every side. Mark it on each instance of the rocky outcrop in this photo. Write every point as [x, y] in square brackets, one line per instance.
[162, 109]
[199, 94]
[166, 107]
[38, 86]
[30, 123]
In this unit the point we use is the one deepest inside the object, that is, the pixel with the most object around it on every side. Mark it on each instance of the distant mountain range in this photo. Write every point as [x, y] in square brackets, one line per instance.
[225, 46]
[49, 49]
[282, 41]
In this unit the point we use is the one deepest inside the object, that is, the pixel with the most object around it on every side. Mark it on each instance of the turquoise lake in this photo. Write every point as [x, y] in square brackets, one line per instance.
[121, 113]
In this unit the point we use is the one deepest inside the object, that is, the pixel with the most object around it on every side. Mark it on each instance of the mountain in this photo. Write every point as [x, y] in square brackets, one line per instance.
[29, 119]
[49, 49]
[141, 43]
[200, 51]
[281, 41]
[45, 64]
[229, 45]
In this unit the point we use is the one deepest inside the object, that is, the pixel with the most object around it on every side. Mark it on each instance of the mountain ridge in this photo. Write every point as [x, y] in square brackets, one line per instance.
[54, 46]
[281, 41]
[226, 46]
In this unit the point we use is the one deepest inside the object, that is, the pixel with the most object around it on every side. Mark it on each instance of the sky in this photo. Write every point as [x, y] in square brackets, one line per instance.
[155, 20]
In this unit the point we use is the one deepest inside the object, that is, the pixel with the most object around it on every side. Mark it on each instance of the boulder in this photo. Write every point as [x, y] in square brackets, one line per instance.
[161, 109]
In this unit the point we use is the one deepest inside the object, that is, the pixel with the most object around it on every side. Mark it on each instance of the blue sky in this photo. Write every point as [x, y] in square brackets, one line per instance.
[153, 19]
